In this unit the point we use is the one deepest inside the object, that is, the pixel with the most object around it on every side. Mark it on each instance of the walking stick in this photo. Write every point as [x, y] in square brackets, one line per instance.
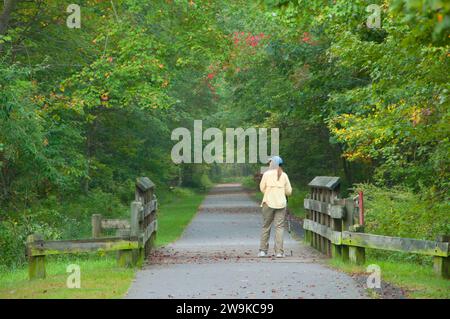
[286, 219]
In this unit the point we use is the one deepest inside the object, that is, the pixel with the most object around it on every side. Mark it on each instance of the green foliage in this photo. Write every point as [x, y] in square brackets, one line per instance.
[296, 201]
[85, 111]
[368, 104]
[249, 183]
[176, 214]
[399, 212]
[55, 220]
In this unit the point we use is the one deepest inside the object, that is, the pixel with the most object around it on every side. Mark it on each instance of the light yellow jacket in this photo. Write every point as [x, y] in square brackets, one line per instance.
[275, 190]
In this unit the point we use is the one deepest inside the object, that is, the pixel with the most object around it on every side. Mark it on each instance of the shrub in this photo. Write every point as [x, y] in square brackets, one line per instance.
[402, 213]
[182, 192]
[250, 183]
[295, 202]
[15, 229]
[69, 219]
[205, 182]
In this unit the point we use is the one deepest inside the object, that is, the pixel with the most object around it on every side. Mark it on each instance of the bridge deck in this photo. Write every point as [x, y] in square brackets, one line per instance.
[215, 258]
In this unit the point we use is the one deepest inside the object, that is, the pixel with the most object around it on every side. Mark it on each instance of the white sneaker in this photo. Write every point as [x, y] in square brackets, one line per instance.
[262, 254]
[280, 255]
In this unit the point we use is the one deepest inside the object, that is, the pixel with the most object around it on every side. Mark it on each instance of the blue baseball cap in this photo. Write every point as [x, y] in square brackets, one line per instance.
[277, 160]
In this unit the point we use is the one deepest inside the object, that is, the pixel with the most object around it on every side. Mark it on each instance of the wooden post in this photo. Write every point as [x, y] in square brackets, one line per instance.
[336, 250]
[128, 257]
[345, 253]
[346, 223]
[96, 225]
[308, 239]
[322, 242]
[350, 209]
[136, 230]
[312, 215]
[441, 265]
[150, 244]
[135, 219]
[315, 236]
[361, 207]
[357, 255]
[124, 257]
[307, 236]
[36, 264]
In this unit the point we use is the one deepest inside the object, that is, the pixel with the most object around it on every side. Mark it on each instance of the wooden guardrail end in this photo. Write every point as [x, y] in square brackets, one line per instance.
[96, 221]
[144, 184]
[134, 241]
[441, 264]
[326, 182]
[332, 225]
[36, 264]
[357, 254]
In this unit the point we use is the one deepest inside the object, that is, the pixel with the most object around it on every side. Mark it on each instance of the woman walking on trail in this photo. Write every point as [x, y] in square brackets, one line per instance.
[275, 186]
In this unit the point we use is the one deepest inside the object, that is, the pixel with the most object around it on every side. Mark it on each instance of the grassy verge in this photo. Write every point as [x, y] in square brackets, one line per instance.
[418, 281]
[100, 276]
[175, 215]
[295, 203]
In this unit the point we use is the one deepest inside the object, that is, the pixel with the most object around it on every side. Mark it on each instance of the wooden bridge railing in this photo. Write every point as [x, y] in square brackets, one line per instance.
[332, 226]
[133, 241]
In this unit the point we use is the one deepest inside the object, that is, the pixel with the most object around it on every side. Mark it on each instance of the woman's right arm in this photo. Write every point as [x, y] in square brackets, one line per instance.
[287, 187]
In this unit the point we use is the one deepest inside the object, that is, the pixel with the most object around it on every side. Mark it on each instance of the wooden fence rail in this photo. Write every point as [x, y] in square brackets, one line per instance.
[133, 242]
[332, 226]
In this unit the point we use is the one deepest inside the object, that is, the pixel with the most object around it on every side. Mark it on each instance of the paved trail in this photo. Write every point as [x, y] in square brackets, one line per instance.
[215, 258]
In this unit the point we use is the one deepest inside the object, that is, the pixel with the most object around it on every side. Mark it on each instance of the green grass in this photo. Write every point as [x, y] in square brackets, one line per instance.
[100, 278]
[174, 216]
[419, 281]
[295, 203]
[236, 179]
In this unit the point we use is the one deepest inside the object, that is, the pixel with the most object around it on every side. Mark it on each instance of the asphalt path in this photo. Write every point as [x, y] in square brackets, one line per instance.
[216, 258]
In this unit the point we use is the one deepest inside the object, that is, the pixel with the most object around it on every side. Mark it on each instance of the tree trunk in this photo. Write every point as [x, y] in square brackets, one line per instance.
[347, 171]
[91, 145]
[8, 8]
[89, 142]
[4, 186]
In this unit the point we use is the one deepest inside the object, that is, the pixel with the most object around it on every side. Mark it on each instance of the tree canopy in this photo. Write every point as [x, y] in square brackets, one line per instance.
[85, 110]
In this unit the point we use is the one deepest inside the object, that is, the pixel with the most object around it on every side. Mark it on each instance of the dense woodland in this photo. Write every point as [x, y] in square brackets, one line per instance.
[85, 111]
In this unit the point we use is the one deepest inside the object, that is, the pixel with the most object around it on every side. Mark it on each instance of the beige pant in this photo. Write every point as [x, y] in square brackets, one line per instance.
[277, 216]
